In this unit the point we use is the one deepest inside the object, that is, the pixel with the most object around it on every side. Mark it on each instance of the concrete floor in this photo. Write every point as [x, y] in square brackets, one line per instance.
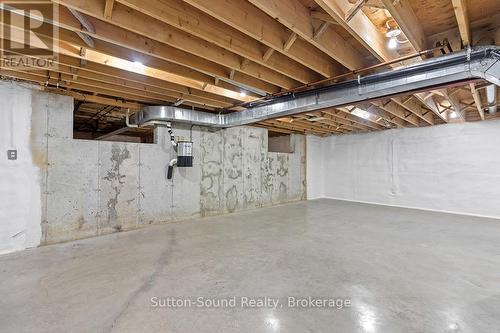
[403, 271]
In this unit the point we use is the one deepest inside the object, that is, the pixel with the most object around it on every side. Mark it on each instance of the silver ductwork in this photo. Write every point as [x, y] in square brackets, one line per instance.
[491, 98]
[472, 64]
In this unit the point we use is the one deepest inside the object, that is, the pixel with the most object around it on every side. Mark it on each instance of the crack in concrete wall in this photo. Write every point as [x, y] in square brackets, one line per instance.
[116, 180]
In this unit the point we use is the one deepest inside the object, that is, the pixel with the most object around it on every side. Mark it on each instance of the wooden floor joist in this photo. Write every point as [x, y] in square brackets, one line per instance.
[216, 55]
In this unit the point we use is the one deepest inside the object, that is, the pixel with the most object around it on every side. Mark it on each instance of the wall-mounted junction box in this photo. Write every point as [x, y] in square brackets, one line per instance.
[12, 154]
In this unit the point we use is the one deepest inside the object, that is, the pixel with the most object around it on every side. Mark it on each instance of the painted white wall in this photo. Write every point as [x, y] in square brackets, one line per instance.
[315, 167]
[452, 168]
[20, 206]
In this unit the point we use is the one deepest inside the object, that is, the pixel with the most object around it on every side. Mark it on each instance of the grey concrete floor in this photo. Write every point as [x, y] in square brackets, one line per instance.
[402, 270]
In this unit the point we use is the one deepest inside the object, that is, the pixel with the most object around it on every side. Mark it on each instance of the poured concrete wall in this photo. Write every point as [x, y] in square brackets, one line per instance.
[87, 188]
[452, 168]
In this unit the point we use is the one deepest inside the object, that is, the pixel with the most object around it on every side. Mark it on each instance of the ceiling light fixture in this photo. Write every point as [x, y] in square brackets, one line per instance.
[243, 94]
[393, 32]
[393, 29]
[393, 43]
[453, 115]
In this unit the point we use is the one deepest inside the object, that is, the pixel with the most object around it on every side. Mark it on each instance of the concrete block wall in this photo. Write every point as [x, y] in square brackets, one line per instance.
[89, 188]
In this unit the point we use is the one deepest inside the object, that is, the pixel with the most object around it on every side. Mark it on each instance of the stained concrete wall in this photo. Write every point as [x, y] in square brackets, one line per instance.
[451, 168]
[87, 188]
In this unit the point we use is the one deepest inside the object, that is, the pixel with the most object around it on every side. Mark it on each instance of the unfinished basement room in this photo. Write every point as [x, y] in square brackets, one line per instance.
[300, 166]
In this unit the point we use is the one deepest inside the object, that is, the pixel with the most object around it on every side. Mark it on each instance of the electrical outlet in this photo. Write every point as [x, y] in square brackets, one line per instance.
[12, 154]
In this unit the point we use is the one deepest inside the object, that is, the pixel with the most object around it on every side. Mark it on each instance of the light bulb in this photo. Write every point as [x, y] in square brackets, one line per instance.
[393, 43]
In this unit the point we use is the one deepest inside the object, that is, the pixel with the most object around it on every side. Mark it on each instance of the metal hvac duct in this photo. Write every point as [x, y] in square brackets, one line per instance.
[491, 98]
[471, 64]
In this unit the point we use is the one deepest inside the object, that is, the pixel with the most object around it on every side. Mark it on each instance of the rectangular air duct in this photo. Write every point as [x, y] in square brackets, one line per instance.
[472, 64]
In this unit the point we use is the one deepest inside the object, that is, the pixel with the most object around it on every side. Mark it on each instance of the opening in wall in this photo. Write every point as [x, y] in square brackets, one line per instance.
[279, 142]
[93, 121]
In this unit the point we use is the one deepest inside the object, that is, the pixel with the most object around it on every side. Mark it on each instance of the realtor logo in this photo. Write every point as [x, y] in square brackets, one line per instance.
[28, 37]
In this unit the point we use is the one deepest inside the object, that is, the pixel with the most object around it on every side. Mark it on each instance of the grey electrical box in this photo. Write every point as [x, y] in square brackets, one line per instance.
[12, 154]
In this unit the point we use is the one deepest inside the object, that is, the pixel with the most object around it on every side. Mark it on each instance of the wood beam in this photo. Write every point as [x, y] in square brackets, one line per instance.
[454, 102]
[397, 111]
[192, 21]
[124, 85]
[289, 42]
[269, 52]
[428, 100]
[322, 16]
[387, 117]
[293, 126]
[296, 17]
[161, 30]
[66, 81]
[89, 98]
[340, 117]
[155, 67]
[321, 29]
[360, 27]
[162, 91]
[354, 9]
[111, 45]
[360, 120]
[248, 19]
[324, 127]
[297, 124]
[43, 79]
[141, 89]
[108, 9]
[477, 100]
[345, 115]
[96, 72]
[414, 107]
[115, 132]
[277, 129]
[109, 74]
[462, 15]
[329, 120]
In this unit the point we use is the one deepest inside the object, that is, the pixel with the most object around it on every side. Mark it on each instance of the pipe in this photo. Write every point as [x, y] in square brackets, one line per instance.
[482, 63]
[127, 120]
[171, 168]
[491, 97]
